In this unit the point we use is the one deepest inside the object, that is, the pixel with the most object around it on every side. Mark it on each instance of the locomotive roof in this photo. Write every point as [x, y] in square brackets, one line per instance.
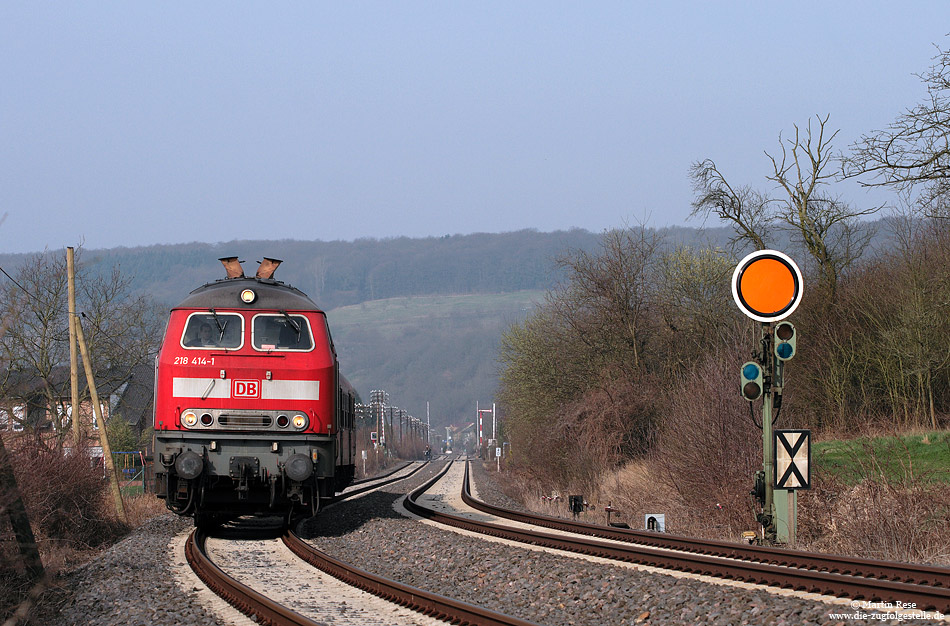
[226, 293]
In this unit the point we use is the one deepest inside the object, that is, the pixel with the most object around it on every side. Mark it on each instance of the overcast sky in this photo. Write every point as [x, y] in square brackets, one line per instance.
[133, 123]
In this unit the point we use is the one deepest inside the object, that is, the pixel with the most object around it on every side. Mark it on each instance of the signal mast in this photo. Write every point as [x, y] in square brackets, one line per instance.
[767, 287]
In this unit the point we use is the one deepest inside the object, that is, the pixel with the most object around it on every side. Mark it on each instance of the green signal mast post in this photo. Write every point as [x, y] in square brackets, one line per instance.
[764, 378]
[767, 287]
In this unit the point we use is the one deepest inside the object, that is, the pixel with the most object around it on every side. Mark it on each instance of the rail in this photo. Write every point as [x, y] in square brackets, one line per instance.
[924, 596]
[258, 607]
[265, 611]
[932, 576]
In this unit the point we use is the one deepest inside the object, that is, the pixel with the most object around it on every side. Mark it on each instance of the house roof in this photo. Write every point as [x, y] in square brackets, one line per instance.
[135, 401]
[133, 389]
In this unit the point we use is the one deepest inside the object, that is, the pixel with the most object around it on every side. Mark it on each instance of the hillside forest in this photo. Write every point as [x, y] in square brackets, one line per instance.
[437, 317]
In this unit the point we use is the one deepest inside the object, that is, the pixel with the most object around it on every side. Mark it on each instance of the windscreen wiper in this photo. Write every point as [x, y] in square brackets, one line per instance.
[217, 323]
[293, 323]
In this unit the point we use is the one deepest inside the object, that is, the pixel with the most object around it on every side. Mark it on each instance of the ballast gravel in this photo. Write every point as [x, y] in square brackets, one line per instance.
[138, 582]
[541, 587]
[132, 583]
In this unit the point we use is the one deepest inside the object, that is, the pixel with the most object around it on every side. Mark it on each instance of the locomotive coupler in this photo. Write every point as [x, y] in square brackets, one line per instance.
[181, 493]
[243, 469]
[295, 492]
[243, 487]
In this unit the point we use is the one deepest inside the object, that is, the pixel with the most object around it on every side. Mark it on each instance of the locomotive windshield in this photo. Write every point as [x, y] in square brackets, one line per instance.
[213, 330]
[281, 332]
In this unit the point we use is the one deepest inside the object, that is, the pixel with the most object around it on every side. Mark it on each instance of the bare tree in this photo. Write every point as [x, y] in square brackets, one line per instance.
[694, 302]
[607, 300]
[121, 330]
[915, 148]
[827, 228]
[583, 358]
[36, 341]
[744, 207]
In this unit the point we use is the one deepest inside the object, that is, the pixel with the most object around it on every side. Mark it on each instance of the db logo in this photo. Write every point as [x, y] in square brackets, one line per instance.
[246, 389]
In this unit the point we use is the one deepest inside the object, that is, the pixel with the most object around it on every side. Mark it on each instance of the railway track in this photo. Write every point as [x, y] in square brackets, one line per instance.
[925, 575]
[257, 606]
[433, 605]
[264, 610]
[925, 587]
[858, 579]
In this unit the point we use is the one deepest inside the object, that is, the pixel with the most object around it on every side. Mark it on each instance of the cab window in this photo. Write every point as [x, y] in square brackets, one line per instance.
[283, 333]
[213, 331]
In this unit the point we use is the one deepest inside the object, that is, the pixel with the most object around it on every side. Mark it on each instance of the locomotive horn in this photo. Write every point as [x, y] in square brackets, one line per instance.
[268, 267]
[232, 266]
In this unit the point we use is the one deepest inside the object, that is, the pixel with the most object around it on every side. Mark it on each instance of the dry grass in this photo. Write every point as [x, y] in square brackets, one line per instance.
[878, 519]
[70, 511]
[143, 507]
[642, 487]
[905, 521]
[60, 554]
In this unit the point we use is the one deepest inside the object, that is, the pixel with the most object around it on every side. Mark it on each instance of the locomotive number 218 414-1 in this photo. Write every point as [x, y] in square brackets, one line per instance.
[194, 360]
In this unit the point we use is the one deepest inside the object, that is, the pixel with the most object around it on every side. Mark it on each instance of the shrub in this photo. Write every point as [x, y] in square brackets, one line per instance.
[709, 448]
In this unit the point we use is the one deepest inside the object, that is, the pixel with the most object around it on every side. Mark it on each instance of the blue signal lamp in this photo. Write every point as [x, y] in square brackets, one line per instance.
[750, 384]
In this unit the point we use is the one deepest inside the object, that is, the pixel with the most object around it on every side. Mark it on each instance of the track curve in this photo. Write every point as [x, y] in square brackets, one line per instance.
[879, 581]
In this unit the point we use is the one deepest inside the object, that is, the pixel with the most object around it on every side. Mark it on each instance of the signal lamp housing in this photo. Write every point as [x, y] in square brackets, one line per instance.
[750, 381]
[785, 341]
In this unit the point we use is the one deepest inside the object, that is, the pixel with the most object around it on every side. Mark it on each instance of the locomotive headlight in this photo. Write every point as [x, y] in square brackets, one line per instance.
[189, 419]
[299, 421]
[248, 296]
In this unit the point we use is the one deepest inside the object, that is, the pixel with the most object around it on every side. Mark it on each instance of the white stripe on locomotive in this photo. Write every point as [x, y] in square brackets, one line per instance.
[270, 389]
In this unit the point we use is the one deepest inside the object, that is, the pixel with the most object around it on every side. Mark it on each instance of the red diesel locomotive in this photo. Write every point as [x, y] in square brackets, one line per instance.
[251, 413]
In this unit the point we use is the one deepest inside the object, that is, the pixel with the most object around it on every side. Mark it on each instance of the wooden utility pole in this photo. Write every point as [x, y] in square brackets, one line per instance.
[73, 366]
[103, 436]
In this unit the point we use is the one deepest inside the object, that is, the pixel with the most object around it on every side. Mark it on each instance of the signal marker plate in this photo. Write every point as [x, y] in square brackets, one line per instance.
[792, 459]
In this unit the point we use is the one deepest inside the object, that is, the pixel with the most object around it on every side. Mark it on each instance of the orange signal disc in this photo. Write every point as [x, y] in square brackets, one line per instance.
[767, 285]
